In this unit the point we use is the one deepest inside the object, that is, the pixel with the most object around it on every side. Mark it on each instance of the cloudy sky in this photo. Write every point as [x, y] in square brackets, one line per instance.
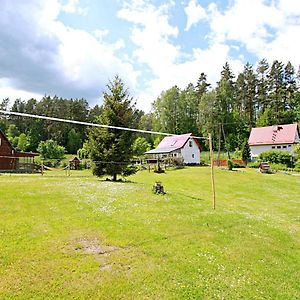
[71, 48]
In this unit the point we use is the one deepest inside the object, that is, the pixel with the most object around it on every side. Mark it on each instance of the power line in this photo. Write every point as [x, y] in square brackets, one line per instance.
[91, 124]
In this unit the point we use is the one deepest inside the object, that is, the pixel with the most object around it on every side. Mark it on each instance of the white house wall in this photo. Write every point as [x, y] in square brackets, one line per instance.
[191, 155]
[256, 150]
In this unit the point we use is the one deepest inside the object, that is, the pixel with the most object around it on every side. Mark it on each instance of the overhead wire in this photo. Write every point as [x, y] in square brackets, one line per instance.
[92, 124]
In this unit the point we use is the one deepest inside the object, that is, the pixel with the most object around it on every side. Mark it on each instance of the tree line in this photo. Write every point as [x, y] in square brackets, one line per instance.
[266, 95]
[261, 96]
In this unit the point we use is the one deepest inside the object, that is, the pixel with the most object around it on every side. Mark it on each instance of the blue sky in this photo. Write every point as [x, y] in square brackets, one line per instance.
[71, 48]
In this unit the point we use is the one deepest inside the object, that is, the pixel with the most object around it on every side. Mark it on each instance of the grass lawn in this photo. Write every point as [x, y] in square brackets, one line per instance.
[80, 237]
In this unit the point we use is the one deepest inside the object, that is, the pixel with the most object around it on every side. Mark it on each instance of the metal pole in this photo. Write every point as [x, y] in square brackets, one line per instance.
[212, 171]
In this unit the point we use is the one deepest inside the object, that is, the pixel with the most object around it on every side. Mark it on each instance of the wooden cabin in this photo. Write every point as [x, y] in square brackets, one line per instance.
[182, 147]
[12, 160]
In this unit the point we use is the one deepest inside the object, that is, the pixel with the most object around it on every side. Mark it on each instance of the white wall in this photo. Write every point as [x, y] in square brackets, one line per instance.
[256, 150]
[187, 153]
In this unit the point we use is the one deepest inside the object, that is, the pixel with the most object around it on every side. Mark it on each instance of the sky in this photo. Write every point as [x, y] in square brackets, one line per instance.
[72, 48]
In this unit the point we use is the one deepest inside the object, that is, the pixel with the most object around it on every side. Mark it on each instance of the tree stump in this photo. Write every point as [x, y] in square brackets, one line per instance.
[158, 188]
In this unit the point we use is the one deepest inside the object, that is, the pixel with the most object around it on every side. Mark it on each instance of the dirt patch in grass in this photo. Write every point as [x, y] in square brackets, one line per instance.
[93, 246]
[106, 267]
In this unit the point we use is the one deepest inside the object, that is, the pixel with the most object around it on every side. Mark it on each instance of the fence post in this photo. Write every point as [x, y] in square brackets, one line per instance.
[42, 168]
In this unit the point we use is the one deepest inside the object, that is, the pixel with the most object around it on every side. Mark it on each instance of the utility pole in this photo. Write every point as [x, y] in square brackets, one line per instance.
[212, 171]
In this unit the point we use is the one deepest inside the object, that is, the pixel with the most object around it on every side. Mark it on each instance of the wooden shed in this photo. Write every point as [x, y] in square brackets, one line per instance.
[12, 160]
[74, 163]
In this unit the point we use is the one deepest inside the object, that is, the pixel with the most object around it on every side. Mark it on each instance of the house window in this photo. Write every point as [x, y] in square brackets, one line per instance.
[278, 147]
[193, 155]
[174, 154]
[273, 147]
[190, 143]
[284, 147]
[289, 146]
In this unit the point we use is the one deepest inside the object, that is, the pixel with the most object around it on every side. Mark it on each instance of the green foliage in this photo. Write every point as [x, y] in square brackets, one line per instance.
[156, 142]
[230, 164]
[140, 146]
[23, 142]
[51, 150]
[296, 151]
[246, 153]
[74, 141]
[253, 165]
[237, 154]
[266, 96]
[111, 149]
[129, 170]
[297, 165]
[83, 153]
[12, 131]
[176, 111]
[276, 157]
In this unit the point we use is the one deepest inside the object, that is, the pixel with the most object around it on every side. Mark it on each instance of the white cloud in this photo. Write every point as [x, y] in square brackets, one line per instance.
[265, 30]
[152, 34]
[73, 7]
[195, 13]
[100, 34]
[12, 93]
[40, 55]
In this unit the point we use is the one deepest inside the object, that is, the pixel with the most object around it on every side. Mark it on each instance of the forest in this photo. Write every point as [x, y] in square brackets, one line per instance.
[264, 95]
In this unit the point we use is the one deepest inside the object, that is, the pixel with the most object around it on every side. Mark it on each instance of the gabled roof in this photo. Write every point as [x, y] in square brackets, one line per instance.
[16, 153]
[172, 143]
[276, 134]
[7, 140]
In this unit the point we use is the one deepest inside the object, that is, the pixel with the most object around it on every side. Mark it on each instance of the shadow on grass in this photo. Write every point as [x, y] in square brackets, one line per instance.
[188, 196]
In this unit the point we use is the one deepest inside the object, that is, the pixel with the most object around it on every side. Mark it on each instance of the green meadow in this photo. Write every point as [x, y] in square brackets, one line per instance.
[81, 237]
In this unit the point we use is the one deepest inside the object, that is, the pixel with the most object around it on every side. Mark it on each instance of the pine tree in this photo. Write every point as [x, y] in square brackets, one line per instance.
[246, 154]
[111, 149]
[202, 86]
[250, 96]
[262, 85]
[276, 90]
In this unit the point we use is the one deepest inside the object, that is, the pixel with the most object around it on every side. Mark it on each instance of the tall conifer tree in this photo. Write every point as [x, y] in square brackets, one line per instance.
[110, 149]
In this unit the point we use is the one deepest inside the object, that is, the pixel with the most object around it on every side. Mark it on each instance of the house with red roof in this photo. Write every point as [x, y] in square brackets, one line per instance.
[183, 146]
[276, 137]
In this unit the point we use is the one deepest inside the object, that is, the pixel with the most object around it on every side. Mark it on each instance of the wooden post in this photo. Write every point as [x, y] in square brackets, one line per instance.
[212, 171]
[42, 168]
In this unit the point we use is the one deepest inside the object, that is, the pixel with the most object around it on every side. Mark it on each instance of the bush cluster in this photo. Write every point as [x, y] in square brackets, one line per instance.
[277, 157]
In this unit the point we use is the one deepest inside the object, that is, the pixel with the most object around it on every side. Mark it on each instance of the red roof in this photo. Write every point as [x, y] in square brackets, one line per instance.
[171, 143]
[276, 134]
[174, 141]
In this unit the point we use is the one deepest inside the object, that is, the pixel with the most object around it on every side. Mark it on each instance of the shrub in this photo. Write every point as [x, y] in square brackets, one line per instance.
[51, 150]
[237, 154]
[279, 167]
[277, 157]
[296, 151]
[230, 164]
[297, 165]
[246, 153]
[254, 165]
